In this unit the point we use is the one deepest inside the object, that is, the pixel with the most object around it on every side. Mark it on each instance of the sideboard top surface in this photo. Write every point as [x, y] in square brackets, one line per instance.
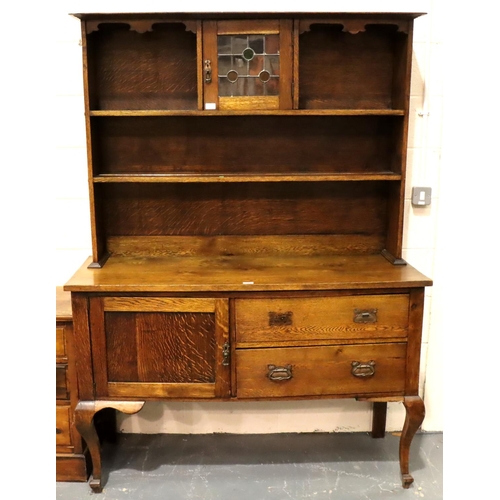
[242, 273]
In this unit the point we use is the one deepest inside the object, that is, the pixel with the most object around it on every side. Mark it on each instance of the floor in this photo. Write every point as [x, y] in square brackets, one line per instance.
[263, 467]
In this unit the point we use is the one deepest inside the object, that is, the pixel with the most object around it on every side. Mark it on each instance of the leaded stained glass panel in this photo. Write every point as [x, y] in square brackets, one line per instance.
[249, 65]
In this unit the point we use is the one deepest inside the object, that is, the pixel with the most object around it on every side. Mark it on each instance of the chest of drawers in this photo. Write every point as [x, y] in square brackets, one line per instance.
[71, 462]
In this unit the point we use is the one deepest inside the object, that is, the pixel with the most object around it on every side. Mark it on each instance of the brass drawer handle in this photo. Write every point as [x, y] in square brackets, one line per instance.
[362, 370]
[365, 316]
[279, 373]
[280, 319]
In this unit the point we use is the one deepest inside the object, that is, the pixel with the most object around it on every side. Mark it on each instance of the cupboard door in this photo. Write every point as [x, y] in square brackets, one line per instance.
[155, 347]
[247, 64]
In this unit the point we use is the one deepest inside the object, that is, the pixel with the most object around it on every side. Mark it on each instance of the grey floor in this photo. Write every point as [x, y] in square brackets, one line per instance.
[262, 467]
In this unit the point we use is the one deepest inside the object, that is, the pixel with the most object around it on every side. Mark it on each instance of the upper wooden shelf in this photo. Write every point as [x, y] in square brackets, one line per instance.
[255, 112]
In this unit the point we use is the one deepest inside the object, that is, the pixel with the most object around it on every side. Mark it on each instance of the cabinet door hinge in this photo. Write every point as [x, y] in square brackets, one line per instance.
[226, 354]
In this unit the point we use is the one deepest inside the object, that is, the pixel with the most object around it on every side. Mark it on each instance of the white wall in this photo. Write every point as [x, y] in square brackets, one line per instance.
[72, 237]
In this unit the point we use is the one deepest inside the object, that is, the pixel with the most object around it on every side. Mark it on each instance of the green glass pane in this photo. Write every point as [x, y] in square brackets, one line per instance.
[248, 54]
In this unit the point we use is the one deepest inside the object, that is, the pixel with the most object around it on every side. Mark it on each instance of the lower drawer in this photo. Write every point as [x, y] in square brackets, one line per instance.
[63, 434]
[326, 370]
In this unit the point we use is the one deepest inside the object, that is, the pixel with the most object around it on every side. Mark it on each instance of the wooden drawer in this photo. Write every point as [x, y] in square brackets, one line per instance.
[62, 391]
[60, 342]
[63, 434]
[310, 371]
[321, 318]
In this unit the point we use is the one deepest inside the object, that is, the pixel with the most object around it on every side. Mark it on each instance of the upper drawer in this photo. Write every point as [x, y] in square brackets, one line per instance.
[60, 342]
[321, 318]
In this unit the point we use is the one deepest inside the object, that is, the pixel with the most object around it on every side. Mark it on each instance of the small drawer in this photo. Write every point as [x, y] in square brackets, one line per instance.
[62, 391]
[322, 318]
[328, 370]
[63, 434]
[60, 341]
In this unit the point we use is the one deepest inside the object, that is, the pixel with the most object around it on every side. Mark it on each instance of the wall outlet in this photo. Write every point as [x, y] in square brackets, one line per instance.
[421, 196]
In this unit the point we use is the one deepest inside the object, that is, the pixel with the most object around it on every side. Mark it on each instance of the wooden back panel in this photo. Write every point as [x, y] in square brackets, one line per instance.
[246, 144]
[152, 70]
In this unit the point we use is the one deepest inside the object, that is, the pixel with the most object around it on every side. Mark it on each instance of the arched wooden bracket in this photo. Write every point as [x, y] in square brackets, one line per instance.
[141, 25]
[354, 26]
[84, 423]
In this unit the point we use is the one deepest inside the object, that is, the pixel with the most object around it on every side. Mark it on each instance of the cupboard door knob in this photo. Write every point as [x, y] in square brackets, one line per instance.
[208, 71]
[279, 373]
[362, 370]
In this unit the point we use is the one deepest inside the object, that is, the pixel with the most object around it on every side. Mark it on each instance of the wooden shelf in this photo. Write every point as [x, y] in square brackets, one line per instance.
[255, 112]
[206, 178]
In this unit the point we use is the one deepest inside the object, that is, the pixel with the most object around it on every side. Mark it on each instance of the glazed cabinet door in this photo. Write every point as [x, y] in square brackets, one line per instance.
[247, 64]
[156, 347]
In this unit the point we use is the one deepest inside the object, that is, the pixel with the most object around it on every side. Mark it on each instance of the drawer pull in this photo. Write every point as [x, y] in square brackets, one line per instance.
[365, 316]
[362, 370]
[279, 373]
[280, 319]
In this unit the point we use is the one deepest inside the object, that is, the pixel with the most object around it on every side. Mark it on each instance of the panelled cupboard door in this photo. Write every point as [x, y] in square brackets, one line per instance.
[247, 65]
[156, 347]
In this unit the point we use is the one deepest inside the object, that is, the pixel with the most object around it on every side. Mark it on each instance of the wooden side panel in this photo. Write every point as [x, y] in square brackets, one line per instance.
[82, 346]
[414, 341]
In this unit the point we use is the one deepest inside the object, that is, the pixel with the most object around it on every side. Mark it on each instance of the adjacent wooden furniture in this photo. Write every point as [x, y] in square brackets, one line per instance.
[71, 462]
[247, 179]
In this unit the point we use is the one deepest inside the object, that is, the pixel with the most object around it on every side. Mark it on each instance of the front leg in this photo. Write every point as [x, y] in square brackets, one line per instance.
[84, 423]
[415, 413]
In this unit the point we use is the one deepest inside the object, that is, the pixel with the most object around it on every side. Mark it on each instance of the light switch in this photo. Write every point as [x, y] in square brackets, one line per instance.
[421, 196]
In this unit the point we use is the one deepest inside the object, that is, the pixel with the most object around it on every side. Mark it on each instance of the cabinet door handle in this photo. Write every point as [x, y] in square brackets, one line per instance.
[365, 315]
[208, 71]
[362, 370]
[279, 373]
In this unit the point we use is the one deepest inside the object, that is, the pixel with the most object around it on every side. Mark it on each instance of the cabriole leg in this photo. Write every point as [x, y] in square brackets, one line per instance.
[415, 413]
[84, 423]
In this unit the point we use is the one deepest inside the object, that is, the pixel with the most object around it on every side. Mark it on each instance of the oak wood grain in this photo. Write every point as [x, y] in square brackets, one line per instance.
[243, 273]
[321, 318]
